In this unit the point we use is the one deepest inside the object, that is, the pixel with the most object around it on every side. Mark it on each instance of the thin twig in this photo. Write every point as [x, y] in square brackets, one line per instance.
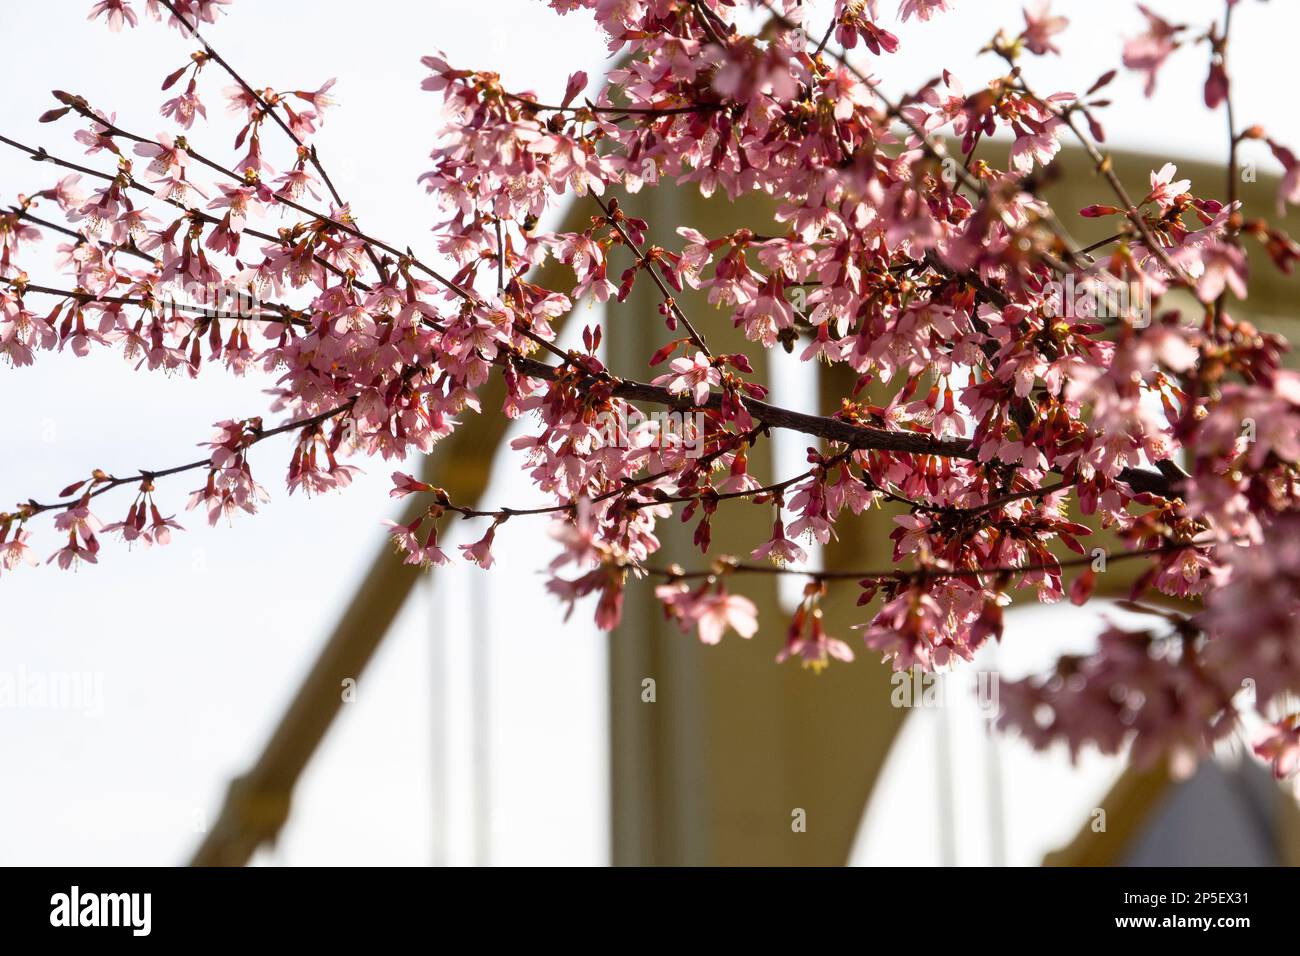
[645, 261]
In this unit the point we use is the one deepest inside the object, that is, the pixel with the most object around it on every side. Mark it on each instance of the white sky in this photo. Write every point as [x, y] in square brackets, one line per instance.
[197, 646]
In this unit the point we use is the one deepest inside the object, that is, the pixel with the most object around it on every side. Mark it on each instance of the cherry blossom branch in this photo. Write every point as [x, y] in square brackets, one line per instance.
[890, 495]
[267, 110]
[826, 37]
[826, 428]
[628, 486]
[346, 227]
[1234, 140]
[290, 317]
[1100, 243]
[918, 443]
[702, 14]
[82, 107]
[107, 483]
[129, 249]
[501, 259]
[727, 566]
[654, 112]
[762, 491]
[933, 148]
[40, 154]
[704, 494]
[855, 436]
[615, 218]
[1043, 492]
[1106, 167]
[104, 484]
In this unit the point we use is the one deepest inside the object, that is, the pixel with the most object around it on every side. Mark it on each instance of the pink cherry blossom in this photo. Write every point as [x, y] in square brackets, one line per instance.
[1149, 51]
[692, 376]
[1041, 26]
[1282, 748]
[1224, 268]
[1164, 190]
[923, 9]
[117, 13]
[711, 611]
[16, 551]
[815, 648]
[779, 548]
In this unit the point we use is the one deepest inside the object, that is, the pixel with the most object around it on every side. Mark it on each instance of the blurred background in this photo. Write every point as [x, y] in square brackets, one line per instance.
[487, 730]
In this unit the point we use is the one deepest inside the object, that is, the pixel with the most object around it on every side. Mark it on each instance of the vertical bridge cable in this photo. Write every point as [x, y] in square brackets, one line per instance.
[481, 730]
[438, 721]
[947, 801]
[996, 797]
